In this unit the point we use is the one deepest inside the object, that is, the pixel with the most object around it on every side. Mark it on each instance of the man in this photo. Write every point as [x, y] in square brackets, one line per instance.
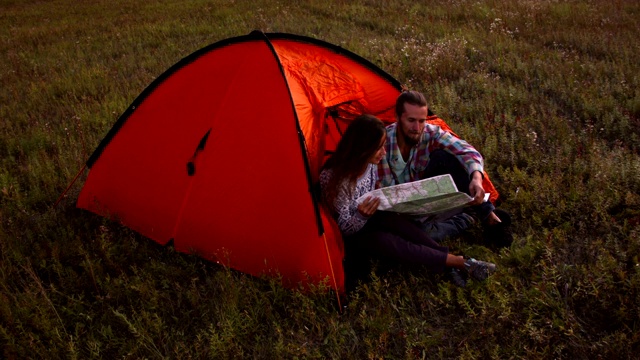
[417, 150]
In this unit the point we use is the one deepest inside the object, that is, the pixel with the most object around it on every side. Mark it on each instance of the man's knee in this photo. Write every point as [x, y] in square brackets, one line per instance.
[442, 162]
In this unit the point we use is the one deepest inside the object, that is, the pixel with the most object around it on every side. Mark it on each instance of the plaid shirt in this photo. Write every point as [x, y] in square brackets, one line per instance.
[432, 139]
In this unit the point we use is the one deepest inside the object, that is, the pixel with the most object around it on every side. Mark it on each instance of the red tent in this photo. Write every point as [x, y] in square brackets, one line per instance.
[222, 152]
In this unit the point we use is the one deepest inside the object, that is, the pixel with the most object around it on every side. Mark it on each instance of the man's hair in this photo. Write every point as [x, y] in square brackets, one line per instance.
[409, 97]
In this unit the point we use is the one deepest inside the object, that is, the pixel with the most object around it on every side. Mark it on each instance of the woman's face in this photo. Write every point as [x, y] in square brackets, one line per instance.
[380, 153]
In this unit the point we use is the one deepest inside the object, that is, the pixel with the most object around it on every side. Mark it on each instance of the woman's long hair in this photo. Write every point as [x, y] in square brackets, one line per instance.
[360, 141]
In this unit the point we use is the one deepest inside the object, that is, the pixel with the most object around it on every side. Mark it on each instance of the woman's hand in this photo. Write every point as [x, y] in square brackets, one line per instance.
[368, 206]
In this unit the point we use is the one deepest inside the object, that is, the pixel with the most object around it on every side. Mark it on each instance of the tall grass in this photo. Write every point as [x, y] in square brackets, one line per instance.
[547, 90]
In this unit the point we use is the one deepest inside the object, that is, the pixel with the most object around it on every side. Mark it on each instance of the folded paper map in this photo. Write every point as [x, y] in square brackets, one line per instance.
[430, 196]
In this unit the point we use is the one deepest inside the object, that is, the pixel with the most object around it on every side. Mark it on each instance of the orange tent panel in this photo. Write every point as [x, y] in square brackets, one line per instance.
[221, 154]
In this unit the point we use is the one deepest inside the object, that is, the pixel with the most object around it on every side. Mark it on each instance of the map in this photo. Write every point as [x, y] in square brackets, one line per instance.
[430, 196]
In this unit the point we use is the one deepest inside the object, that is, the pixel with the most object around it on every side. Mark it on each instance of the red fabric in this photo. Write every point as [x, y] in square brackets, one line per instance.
[248, 204]
[321, 80]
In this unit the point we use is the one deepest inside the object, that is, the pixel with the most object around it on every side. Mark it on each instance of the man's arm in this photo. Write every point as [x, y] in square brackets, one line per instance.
[476, 189]
[385, 175]
[468, 156]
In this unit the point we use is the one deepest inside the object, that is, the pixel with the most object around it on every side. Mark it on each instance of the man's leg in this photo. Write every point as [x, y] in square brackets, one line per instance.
[448, 228]
[421, 232]
[441, 162]
[499, 234]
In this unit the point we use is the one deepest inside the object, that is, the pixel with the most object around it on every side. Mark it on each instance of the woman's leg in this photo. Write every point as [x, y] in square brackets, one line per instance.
[454, 261]
[357, 260]
[391, 246]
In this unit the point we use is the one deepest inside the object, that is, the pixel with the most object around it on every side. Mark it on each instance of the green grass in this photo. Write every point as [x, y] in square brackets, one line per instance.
[546, 90]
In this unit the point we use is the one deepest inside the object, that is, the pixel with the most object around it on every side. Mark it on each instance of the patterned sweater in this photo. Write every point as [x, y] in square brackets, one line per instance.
[345, 209]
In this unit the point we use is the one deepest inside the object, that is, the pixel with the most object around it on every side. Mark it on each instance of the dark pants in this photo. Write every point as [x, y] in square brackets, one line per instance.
[442, 162]
[390, 237]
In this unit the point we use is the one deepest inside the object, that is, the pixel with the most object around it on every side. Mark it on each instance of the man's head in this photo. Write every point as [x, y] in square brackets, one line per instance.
[411, 112]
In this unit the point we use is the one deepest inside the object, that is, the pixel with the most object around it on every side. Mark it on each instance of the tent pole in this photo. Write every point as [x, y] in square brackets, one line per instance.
[333, 274]
[303, 144]
[70, 185]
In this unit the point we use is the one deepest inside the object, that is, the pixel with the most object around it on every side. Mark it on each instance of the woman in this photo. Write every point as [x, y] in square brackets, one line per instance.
[350, 173]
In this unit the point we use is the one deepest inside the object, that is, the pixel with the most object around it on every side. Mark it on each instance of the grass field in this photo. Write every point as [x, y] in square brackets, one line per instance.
[547, 90]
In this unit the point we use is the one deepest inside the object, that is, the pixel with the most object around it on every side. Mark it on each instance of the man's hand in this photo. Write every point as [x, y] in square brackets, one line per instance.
[475, 189]
[368, 206]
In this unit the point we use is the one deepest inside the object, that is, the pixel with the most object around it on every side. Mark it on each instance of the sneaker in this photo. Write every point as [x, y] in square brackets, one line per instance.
[455, 276]
[479, 270]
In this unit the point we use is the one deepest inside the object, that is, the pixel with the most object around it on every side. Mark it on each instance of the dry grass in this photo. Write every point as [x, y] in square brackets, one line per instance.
[547, 90]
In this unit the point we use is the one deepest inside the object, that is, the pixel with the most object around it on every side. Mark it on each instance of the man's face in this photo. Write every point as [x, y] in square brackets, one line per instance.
[412, 122]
